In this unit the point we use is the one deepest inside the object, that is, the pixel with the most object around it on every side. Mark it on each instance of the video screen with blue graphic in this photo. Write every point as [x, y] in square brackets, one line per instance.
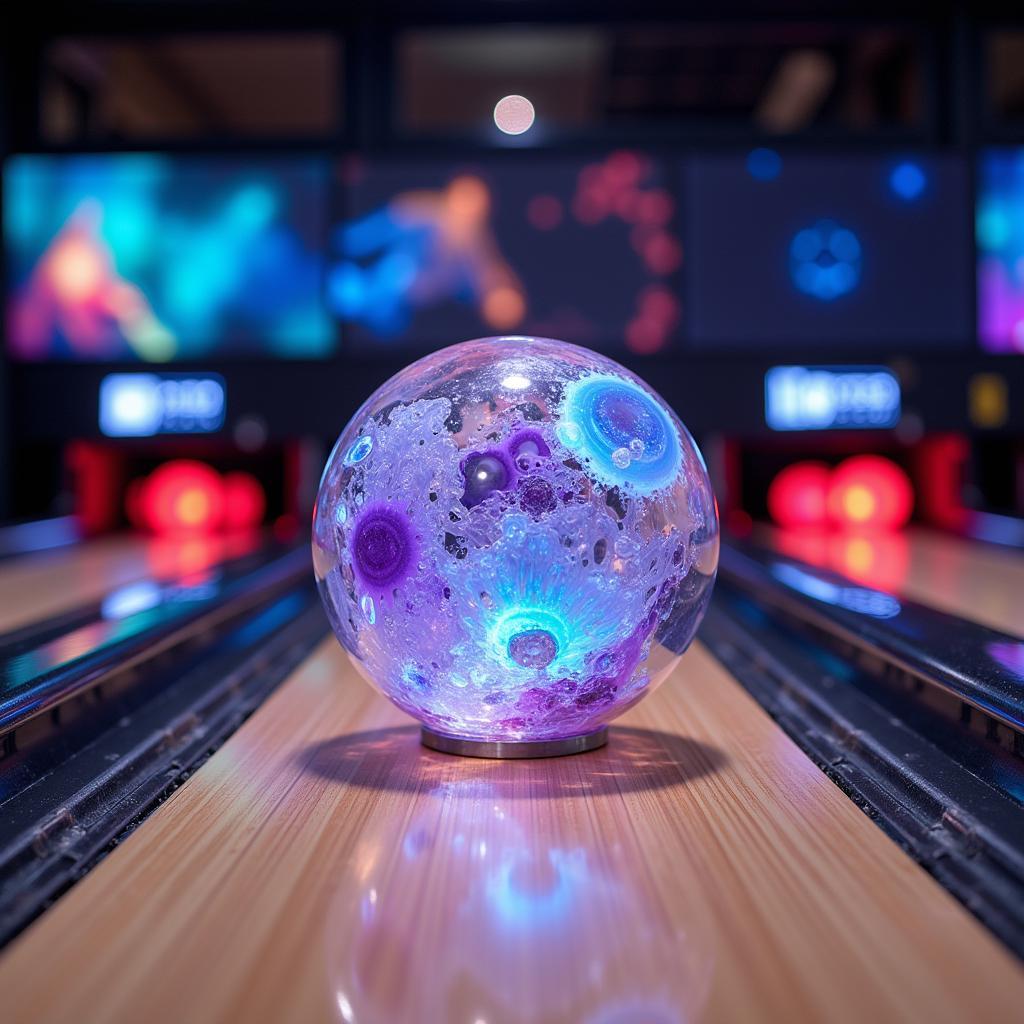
[430, 253]
[154, 258]
[827, 251]
[999, 229]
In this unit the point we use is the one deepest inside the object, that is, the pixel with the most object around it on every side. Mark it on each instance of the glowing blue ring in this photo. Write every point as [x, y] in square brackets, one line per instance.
[358, 450]
[520, 620]
[603, 416]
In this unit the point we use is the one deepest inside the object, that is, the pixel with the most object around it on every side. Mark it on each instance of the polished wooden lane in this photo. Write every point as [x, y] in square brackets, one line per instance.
[976, 581]
[973, 580]
[324, 867]
[44, 584]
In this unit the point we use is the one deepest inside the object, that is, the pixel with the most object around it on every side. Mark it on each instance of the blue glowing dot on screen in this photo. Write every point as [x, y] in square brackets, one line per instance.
[764, 164]
[622, 432]
[825, 260]
[908, 181]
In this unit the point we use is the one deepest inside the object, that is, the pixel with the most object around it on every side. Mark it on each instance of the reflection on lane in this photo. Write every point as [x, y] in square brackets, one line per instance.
[854, 599]
[505, 898]
[877, 559]
[125, 612]
[44, 665]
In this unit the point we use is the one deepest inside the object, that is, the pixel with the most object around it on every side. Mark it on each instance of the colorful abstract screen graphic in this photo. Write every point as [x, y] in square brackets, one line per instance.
[826, 251]
[999, 229]
[585, 251]
[156, 258]
[515, 539]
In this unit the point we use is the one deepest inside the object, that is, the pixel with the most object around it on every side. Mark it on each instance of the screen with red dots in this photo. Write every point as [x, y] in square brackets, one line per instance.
[586, 250]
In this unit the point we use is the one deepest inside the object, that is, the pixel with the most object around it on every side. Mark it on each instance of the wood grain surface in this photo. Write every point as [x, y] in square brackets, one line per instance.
[976, 581]
[322, 866]
[44, 584]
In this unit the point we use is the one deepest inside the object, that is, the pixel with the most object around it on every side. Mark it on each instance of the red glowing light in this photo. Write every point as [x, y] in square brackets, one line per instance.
[181, 496]
[876, 559]
[623, 168]
[870, 491]
[244, 501]
[659, 304]
[662, 253]
[544, 212]
[645, 335]
[656, 207]
[798, 495]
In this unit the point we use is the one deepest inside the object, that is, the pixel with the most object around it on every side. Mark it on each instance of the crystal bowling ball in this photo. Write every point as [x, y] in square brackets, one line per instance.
[515, 539]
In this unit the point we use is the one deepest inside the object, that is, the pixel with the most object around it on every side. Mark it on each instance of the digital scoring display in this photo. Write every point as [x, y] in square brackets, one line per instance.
[431, 253]
[831, 398]
[865, 252]
[999, 229]
[155, 258]
[146, 404]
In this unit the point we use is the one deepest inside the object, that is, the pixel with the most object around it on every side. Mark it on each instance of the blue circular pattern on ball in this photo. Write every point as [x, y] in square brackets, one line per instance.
[625, 436]
[358, 450]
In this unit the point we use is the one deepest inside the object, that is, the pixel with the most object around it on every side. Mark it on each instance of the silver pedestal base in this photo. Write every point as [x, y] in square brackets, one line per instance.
[515, 749]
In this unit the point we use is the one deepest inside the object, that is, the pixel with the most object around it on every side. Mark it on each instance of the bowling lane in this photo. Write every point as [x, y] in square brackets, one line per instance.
[973, 580]
[322, 866]
[40, 585]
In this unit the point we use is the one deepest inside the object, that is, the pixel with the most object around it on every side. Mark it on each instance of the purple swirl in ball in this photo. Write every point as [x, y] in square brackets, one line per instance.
[486, 473]
[528, 444]
[383, 546]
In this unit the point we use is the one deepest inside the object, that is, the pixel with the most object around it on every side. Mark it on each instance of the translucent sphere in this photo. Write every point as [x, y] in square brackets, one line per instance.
[515, 539]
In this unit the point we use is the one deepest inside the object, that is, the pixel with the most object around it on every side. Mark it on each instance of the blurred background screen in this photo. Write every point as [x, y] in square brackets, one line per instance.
[432, 251]
[155, 258]
[831, 250]
[224, 226]
[1000, 231]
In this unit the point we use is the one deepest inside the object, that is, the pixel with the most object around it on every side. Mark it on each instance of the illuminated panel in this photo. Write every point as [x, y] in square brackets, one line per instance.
[146, 404]
[155, 258]
[831, 251]
[837, 398]
[434, 251]
[999, 229]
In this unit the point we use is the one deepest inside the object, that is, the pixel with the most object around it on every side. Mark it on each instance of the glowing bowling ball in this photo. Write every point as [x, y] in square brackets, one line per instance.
[515, 539]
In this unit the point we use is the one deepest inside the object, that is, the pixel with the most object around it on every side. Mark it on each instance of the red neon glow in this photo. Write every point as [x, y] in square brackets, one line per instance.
[181, 496]
[874, 558]
[878, 559]
[244, 501]
[868, 491]
[798, 495]
[939, 469]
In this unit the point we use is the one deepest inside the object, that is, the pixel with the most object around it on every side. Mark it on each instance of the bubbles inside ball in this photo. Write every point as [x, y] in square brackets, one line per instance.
[515, 539]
